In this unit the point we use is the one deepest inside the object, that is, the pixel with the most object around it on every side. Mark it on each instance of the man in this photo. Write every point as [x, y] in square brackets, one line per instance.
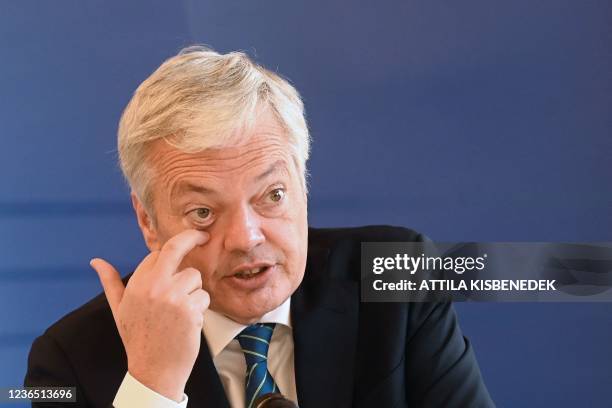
[238, 297]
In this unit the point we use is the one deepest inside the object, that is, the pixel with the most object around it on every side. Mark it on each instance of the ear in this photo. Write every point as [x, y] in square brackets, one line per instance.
[146, 224]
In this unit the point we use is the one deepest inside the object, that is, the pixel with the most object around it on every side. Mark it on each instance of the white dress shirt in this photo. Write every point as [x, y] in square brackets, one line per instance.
[228, 358]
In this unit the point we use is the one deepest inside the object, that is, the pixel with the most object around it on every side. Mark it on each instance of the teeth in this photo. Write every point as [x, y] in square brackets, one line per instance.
[249, 272]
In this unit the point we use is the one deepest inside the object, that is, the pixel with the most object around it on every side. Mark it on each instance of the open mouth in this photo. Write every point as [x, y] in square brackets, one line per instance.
[250, 273]
[252, 277]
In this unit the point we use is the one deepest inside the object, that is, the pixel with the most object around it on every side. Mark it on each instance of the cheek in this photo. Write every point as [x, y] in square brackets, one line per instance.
[168, 226]
[290, 238]
[205, 260]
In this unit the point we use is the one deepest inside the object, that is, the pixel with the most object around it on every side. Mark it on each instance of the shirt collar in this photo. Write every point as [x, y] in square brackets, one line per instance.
[220, 330]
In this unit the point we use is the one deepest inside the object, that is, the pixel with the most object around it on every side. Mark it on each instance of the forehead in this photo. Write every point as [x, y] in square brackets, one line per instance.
[263, 151]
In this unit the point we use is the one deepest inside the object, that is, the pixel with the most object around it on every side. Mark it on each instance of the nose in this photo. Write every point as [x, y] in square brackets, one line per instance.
[243, 230]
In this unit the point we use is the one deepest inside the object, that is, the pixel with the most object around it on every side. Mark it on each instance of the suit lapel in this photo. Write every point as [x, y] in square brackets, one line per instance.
[204, 387]
[324, 319]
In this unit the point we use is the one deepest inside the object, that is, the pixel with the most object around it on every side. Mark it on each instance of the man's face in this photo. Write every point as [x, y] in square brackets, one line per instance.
[251, 201]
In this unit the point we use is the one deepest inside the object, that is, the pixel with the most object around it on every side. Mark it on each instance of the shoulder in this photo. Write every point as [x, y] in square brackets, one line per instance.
[84, 338]
[91, 323]
[81, 349]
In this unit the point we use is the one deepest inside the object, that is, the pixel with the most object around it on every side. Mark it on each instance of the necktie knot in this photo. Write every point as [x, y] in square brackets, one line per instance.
[255, 341]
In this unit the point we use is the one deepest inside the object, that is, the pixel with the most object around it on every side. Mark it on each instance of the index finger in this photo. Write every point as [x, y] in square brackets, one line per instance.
[175, 249]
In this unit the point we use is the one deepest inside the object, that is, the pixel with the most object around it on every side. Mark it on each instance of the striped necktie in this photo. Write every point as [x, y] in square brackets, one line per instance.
[255, 340]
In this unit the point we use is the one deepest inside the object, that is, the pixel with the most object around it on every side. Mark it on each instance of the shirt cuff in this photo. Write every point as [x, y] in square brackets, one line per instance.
[133, 394]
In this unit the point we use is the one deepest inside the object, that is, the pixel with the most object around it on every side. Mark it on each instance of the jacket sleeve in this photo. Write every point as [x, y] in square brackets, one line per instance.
[441, 368]
[48, 366]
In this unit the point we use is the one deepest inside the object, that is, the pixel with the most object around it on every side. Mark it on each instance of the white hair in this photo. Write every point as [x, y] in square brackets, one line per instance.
[200, 99]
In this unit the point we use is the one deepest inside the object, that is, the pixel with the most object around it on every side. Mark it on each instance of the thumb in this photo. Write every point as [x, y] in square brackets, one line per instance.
[111, 282]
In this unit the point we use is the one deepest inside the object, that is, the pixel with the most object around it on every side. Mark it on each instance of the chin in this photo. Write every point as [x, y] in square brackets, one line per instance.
[247, 318]
[254, 310]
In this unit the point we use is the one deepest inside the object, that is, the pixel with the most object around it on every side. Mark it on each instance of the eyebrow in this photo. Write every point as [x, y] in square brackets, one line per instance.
[278, 165]
[190, 187]
[186, 187]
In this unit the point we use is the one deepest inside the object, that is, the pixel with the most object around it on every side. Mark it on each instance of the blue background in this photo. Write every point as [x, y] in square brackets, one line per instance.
[472, 120]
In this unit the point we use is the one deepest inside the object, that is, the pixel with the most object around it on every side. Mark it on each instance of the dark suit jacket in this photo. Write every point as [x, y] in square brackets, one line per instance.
[347, 353]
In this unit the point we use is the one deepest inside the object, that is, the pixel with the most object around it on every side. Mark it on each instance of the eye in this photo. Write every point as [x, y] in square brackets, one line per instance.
[277, 195]
[200, 215]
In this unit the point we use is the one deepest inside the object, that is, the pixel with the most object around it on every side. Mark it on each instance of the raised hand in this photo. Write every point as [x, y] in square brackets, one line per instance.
[159, 314]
